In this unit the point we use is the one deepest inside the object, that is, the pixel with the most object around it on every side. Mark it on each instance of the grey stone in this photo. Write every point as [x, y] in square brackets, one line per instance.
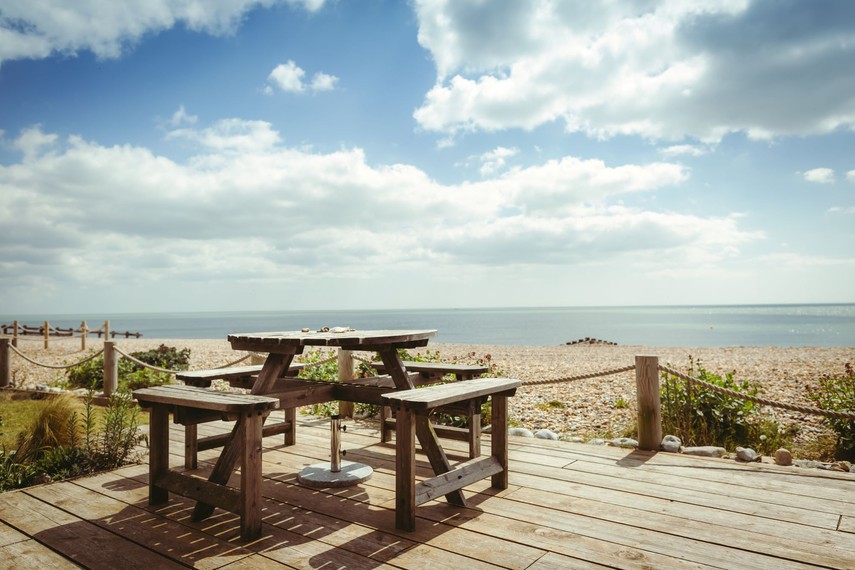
[625, 442]
[747, 454]
[783, 457]
[520, 432]
[42, 388]
[671, 444]
[852, 469]
[842, 466]
[597, 441]
[576, 439]
[705, 451]
[319, 475]
[545, 434]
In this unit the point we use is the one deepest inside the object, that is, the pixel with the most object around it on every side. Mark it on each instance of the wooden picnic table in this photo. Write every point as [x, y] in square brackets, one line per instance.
[272, 384]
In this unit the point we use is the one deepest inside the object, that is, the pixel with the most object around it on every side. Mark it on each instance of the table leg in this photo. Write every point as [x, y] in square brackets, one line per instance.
[250, 477]
[424, 431]
[158, 463]
[191, 446]
[273, 368]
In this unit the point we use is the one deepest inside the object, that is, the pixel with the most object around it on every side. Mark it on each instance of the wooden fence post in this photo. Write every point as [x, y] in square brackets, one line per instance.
[47, 335]
[106, 330]
[5, 363]
[111, 368]
[83, 335]
[649, 404]
[15, 334]
[345, 372]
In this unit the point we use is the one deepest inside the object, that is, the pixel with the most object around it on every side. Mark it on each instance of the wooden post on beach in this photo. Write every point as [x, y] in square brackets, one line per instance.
[345, 372]
[5, 363]
[649, 404]
[83, 335]
[47, 335]
[106, 330]
[15, 334]
[111, 368]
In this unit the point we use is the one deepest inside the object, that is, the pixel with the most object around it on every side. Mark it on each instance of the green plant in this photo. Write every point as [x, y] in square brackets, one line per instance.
[702, 416]
[90, 375]
[60, 443]
[164, 356]
[621, 403]
[837, 394]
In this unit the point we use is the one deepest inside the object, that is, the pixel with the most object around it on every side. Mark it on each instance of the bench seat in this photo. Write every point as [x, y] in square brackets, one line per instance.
[412, 409]
[189, 403]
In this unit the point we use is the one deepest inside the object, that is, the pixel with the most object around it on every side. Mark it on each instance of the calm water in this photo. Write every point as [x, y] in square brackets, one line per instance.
[712, 326]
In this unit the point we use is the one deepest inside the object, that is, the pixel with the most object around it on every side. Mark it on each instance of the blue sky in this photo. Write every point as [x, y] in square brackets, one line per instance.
[309, 154]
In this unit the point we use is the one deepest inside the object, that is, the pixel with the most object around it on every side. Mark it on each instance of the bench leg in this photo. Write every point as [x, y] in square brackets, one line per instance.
[405, 471]
[291, 435]
[474, 429]
[499, 440]
[158, 461]
[250, 477]
[385, 432]
[191, 446]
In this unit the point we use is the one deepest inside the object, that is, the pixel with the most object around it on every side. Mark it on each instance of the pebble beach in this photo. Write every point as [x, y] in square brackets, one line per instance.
[582, 407]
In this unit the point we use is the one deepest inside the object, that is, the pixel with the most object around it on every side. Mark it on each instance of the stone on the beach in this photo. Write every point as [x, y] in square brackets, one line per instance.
[852, 469]
[705, 451]
[671, 444]
[842, 466]
[520, 432]
[546, 434]
[42, 388]
[576, 439]
[625, 442]
[597, 441]
[747, 454]
[783, 457]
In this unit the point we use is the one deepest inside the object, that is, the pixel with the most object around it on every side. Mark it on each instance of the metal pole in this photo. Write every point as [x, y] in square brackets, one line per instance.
[335, 443]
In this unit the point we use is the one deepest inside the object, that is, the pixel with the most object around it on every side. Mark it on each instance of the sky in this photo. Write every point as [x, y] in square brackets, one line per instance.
[267, 155]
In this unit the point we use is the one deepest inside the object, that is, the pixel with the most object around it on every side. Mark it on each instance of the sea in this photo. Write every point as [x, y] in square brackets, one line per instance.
[831, 325]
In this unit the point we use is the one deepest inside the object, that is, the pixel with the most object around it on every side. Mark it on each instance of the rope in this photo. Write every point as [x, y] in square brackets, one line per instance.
[758, 400]
[143, 364]
[367, 361]
[54, 366]
[579, 377]
[238, 361]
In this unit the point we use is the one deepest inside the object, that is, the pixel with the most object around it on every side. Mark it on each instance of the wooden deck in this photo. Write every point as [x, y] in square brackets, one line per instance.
[568, 506]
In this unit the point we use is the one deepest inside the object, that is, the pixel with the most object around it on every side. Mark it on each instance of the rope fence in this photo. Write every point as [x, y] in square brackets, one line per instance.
[757, 399]
[647, 371]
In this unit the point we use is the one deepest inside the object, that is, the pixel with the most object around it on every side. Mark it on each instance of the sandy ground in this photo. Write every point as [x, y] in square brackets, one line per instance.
[577, 407]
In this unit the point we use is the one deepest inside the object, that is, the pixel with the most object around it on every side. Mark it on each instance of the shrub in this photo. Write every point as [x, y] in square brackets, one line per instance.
[837, 393]
[702, 416]
[90, 375]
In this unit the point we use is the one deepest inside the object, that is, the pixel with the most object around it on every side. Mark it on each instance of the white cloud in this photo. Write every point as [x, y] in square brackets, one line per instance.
[31, 141]
[289, 77]
[33, 30]
[820, 176]
[323, 82]
[840, 210]
[663, 70]
[246, 208]
[181, 117]
[850, 176]
[494, 161]
[683, 150]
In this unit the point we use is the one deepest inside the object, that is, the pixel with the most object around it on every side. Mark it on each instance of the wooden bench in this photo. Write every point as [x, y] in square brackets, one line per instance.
[191, 405]
[237, 377]
[430, 372]
[413, 408]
